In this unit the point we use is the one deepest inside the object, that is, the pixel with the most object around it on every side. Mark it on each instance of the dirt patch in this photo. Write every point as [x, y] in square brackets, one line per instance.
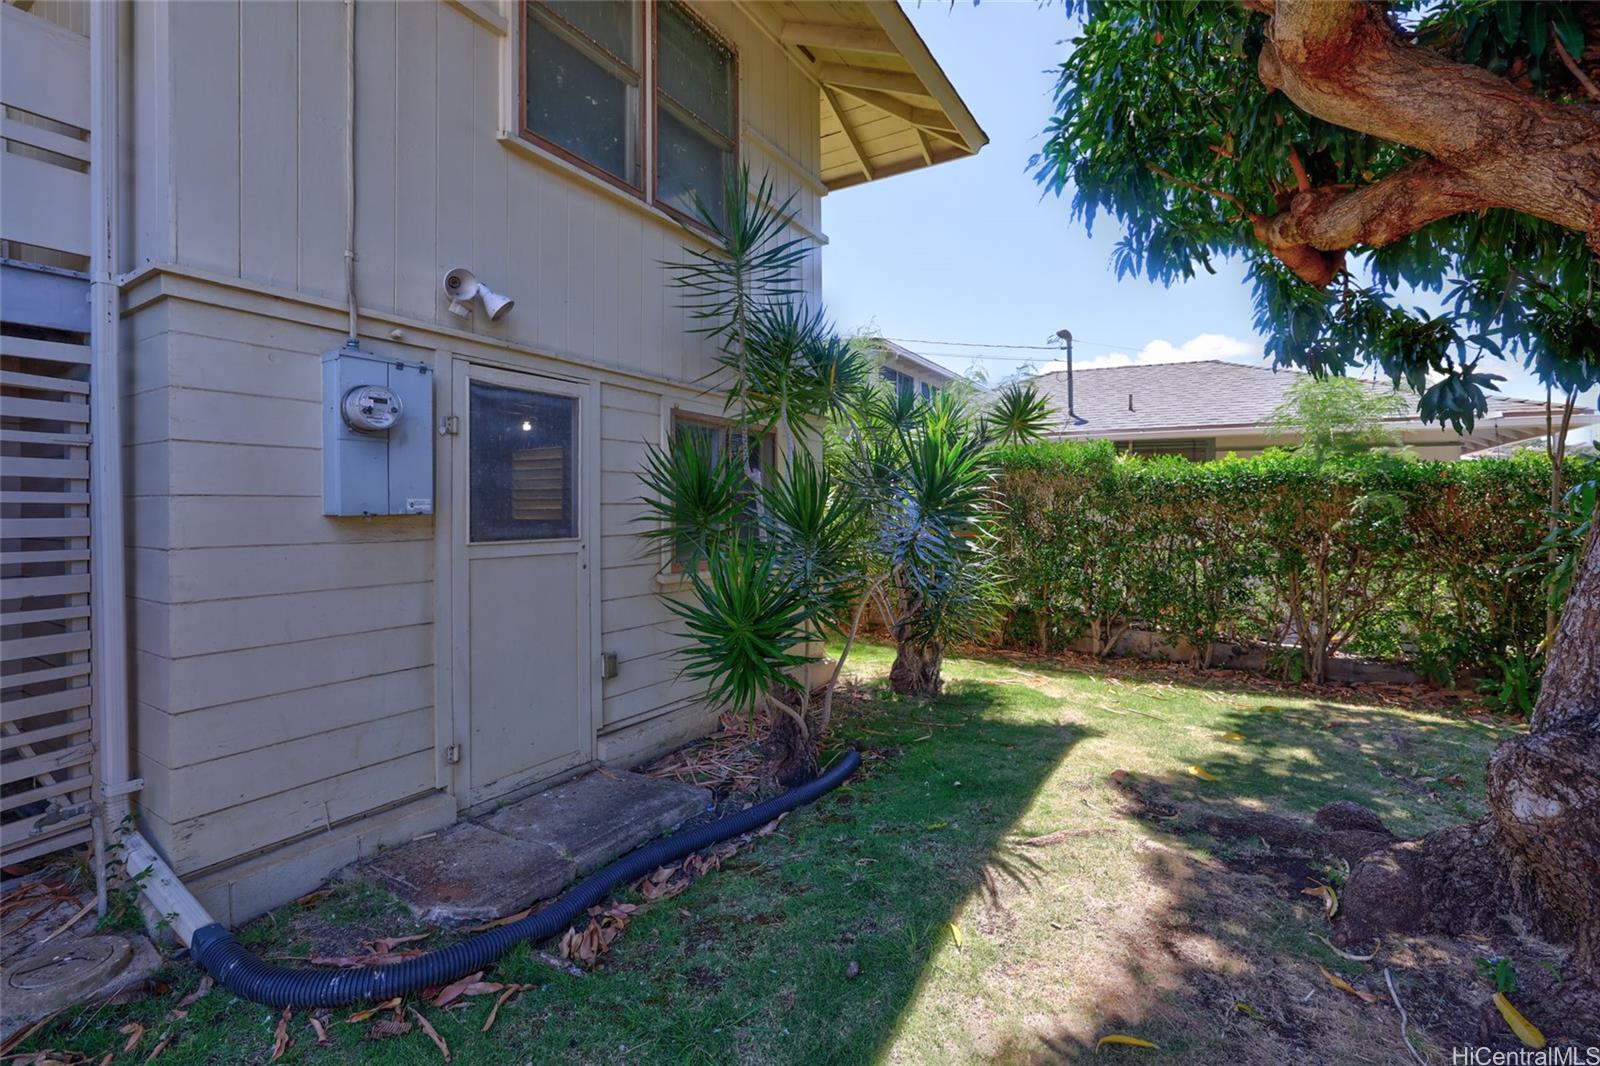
[1262, 865]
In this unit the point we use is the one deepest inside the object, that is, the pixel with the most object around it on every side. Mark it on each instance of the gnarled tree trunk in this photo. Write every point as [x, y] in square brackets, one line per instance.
[916, 670]
[1535, 860]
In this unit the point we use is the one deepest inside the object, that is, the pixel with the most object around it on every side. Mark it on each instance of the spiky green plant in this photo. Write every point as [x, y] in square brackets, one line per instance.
[745, 621]
[1020, 414]
[693, 499]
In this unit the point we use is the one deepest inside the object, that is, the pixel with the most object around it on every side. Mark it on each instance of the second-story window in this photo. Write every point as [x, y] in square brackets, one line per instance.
[696, 131]
[582, 82]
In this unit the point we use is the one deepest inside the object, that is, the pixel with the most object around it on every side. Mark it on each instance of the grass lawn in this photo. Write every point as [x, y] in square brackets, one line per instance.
[1121, 928]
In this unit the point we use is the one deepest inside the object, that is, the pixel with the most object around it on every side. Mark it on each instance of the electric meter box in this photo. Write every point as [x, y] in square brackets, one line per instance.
[377, 435]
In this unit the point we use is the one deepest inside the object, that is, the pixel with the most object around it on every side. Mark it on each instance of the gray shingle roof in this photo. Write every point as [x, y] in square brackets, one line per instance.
[1185, 397]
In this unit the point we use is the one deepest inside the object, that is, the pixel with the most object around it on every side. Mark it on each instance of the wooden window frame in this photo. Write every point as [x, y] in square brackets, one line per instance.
[678, 415]
[643, 30]
[657, 94]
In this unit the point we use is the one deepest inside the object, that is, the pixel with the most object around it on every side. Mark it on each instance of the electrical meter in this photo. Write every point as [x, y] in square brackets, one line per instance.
[372, 408]
[377, 434]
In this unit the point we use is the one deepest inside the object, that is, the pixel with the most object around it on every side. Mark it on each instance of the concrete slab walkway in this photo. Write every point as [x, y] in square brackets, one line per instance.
[530, 850]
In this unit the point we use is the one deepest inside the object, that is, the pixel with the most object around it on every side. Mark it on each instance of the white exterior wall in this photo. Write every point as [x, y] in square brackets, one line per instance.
[284, 662]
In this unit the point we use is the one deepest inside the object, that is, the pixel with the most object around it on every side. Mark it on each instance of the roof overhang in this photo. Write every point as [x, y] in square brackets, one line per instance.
[886, 105]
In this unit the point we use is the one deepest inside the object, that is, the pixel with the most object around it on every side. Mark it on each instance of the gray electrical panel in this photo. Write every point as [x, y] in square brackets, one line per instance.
[377, 435]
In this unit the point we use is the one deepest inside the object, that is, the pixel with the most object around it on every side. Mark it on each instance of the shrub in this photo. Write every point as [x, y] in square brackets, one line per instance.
[1372, 553]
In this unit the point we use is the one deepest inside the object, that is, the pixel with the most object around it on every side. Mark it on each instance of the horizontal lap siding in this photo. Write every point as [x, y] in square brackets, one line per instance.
[634, 620]
[283, 659]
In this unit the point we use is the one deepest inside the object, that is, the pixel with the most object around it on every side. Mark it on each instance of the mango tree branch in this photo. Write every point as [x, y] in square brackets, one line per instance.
[1487, 143]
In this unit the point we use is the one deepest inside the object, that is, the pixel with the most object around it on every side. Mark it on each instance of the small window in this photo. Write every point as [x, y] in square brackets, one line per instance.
[903, 383]
[520, 458]
[581, 83]
[696, 131]
[729, 443]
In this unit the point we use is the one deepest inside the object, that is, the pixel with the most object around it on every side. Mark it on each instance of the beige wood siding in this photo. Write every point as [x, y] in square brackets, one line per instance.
[246, 118]
[282, 660]
[285, 662]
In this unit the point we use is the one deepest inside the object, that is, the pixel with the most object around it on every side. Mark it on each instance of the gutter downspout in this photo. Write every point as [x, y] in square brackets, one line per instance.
[108, 591]
[159, 885]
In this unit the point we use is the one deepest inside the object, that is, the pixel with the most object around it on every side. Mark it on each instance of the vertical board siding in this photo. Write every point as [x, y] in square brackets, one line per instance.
[256, 161]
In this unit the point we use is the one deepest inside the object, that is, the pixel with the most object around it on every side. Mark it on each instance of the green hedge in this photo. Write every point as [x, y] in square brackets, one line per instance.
[1370, 554]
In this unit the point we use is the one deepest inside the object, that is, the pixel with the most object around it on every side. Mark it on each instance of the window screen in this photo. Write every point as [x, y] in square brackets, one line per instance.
[582, 82]
[521, 464]
[695, 130]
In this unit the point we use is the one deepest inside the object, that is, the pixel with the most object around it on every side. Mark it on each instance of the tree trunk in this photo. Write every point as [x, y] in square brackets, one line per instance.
[916, 670]
[1535, 860]
[790, 749]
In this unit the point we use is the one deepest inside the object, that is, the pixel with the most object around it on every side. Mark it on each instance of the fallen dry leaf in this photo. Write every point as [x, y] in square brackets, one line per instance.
[363, 1015]
[1526, 1031]
[1345, 986]
[1376, 944]
[1201, 772]
[159, 1048]
[505, 996]
[280, 1039]
[135, 1033]
[386, 945]
[1330, 898]
[1233, 735]
[772, 826]
[1123, 1040]
[320, 1029]
[498, 922]
[201, 989]
[456, 990]
[387, 1027]
[432, 1033]
[311, 899]
[955, 931]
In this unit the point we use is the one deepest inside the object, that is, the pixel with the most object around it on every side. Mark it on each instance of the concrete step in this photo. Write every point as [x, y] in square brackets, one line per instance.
[530, 850]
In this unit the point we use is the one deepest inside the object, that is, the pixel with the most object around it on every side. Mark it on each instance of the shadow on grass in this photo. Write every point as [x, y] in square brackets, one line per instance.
[1224, 963]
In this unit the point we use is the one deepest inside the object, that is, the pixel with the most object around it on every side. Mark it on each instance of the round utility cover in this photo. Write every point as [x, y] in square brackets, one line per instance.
[68, 968]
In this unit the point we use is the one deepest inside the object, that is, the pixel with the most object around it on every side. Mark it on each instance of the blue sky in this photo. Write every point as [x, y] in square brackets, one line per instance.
[968, 251]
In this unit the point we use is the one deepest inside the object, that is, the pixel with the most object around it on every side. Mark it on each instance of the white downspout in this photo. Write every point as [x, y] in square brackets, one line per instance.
[108, 592]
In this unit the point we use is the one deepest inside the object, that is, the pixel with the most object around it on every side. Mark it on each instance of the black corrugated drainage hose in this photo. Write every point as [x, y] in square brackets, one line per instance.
[237, 970]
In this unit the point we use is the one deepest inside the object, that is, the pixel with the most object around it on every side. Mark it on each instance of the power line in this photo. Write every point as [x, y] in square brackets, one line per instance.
[1024, 347]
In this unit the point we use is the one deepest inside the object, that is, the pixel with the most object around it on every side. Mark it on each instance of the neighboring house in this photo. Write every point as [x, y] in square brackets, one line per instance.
[1203, 410]
[909, 372]
[338, 638]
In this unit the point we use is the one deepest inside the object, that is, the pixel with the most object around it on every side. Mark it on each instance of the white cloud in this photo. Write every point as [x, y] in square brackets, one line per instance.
[1205, 346]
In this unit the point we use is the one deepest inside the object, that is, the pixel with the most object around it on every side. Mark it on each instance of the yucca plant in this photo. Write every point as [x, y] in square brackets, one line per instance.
[888, 519]
[1019, 414]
